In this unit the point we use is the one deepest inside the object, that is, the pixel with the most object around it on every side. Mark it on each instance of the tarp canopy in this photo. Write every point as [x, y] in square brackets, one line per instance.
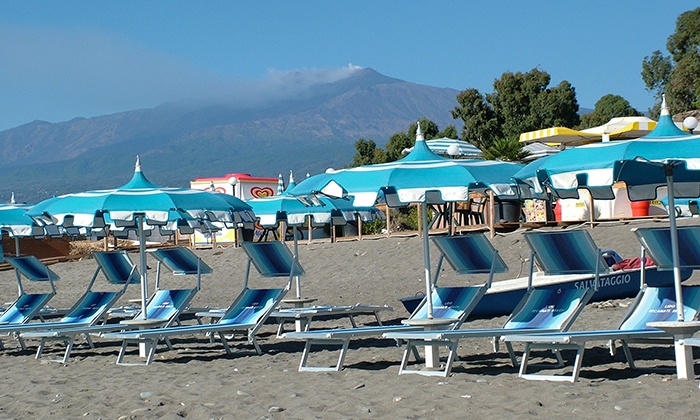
[616, 129]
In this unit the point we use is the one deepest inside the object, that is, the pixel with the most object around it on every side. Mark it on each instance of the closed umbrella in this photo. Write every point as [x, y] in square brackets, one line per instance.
[141, 205]
[420, 177]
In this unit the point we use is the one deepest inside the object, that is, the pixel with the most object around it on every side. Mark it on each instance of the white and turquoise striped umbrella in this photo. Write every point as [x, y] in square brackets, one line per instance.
[667, 156]
[15, 222]
[139, 204]
[451, 147]
[421, 177]
[284, 207]
[528, 181]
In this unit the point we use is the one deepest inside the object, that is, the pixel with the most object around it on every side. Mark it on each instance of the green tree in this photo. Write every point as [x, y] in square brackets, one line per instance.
[677, 76]
[449, 132]
[396, 144]
[520, 102]
[367, 153]
[480, 123]
[608, 107]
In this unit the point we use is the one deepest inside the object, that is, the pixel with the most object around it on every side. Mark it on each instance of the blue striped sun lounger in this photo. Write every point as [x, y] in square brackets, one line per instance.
[162, 309]
[540, 310]
[467, 254]
[247, 313]
[92, 306]
[28, 305]
[653, 304]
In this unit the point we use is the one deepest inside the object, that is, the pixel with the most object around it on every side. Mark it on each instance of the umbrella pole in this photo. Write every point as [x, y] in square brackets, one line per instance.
[297, 282]
[144, 268]
[17, 246]
[674, 245]
[426, 258]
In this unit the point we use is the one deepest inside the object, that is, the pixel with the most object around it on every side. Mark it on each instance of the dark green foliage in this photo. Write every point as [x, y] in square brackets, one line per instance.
[677, 75]
[520, 102]
[608, 107]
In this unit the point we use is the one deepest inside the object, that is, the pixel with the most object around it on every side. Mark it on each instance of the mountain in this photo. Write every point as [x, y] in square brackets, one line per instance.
[307, 132]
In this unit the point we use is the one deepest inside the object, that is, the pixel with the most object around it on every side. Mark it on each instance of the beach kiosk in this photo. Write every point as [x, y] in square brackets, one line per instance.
[243, 186]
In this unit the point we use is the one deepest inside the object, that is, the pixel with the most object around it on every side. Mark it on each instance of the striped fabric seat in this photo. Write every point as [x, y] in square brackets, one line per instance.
[162, 309]
[247, 313]
[92, 306]
[467, 254]
[653, 304]
[540, 310]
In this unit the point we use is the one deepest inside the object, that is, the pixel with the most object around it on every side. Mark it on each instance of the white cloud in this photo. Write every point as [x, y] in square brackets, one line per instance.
[58, 74]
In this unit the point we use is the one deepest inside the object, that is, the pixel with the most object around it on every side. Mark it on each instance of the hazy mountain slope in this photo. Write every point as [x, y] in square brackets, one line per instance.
[309, 131]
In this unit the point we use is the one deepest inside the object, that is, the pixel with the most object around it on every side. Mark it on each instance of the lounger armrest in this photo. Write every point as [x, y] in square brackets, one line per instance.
[93, 329]
[179, 330]
[345, 333]
[584, 336]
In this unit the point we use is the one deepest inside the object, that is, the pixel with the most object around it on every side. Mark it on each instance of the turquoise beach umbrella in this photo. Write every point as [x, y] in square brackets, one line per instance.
[285, 207]
[667, 156]
[139, 205]
[420, 177]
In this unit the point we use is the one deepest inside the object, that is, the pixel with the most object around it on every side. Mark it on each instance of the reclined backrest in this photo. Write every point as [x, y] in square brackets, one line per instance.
[566, 252]
[657, 243]
[448, 302]
[251, 305]
[90, 308]
[167, 303]
[24, 308]
[27, 305]
[549, 308]
[117, 268]
[658, 304]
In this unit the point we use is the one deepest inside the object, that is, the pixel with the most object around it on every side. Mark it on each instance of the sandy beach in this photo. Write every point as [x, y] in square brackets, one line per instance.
[198, 380]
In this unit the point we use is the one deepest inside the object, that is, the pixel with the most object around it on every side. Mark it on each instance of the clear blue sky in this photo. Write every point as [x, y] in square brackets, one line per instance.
[83, 58]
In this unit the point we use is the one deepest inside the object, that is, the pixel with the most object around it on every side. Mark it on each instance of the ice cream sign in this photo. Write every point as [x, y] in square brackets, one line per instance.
[243, 186]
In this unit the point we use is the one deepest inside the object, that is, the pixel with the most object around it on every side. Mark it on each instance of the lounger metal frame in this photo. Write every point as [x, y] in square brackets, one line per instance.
[467, 254]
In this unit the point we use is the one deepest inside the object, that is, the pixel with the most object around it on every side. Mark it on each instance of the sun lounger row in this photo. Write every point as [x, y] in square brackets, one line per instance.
[540, 321]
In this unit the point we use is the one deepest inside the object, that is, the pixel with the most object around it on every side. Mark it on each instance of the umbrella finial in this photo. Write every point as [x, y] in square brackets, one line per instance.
[664, 107]
[280, 184]
[291, 177]
[12, 198]
[419, 133]
[138, 164]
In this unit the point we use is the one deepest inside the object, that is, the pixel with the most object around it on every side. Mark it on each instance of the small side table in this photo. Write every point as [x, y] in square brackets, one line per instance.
[299, 323]
[432, 352]
[684, 355]
[142, 324]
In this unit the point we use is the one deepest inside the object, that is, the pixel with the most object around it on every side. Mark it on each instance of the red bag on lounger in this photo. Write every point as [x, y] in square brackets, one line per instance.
[631, 263]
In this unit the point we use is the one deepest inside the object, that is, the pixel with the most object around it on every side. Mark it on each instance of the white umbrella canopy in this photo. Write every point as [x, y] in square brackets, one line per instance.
[421, 177]
[138, 205]
[451, 147]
